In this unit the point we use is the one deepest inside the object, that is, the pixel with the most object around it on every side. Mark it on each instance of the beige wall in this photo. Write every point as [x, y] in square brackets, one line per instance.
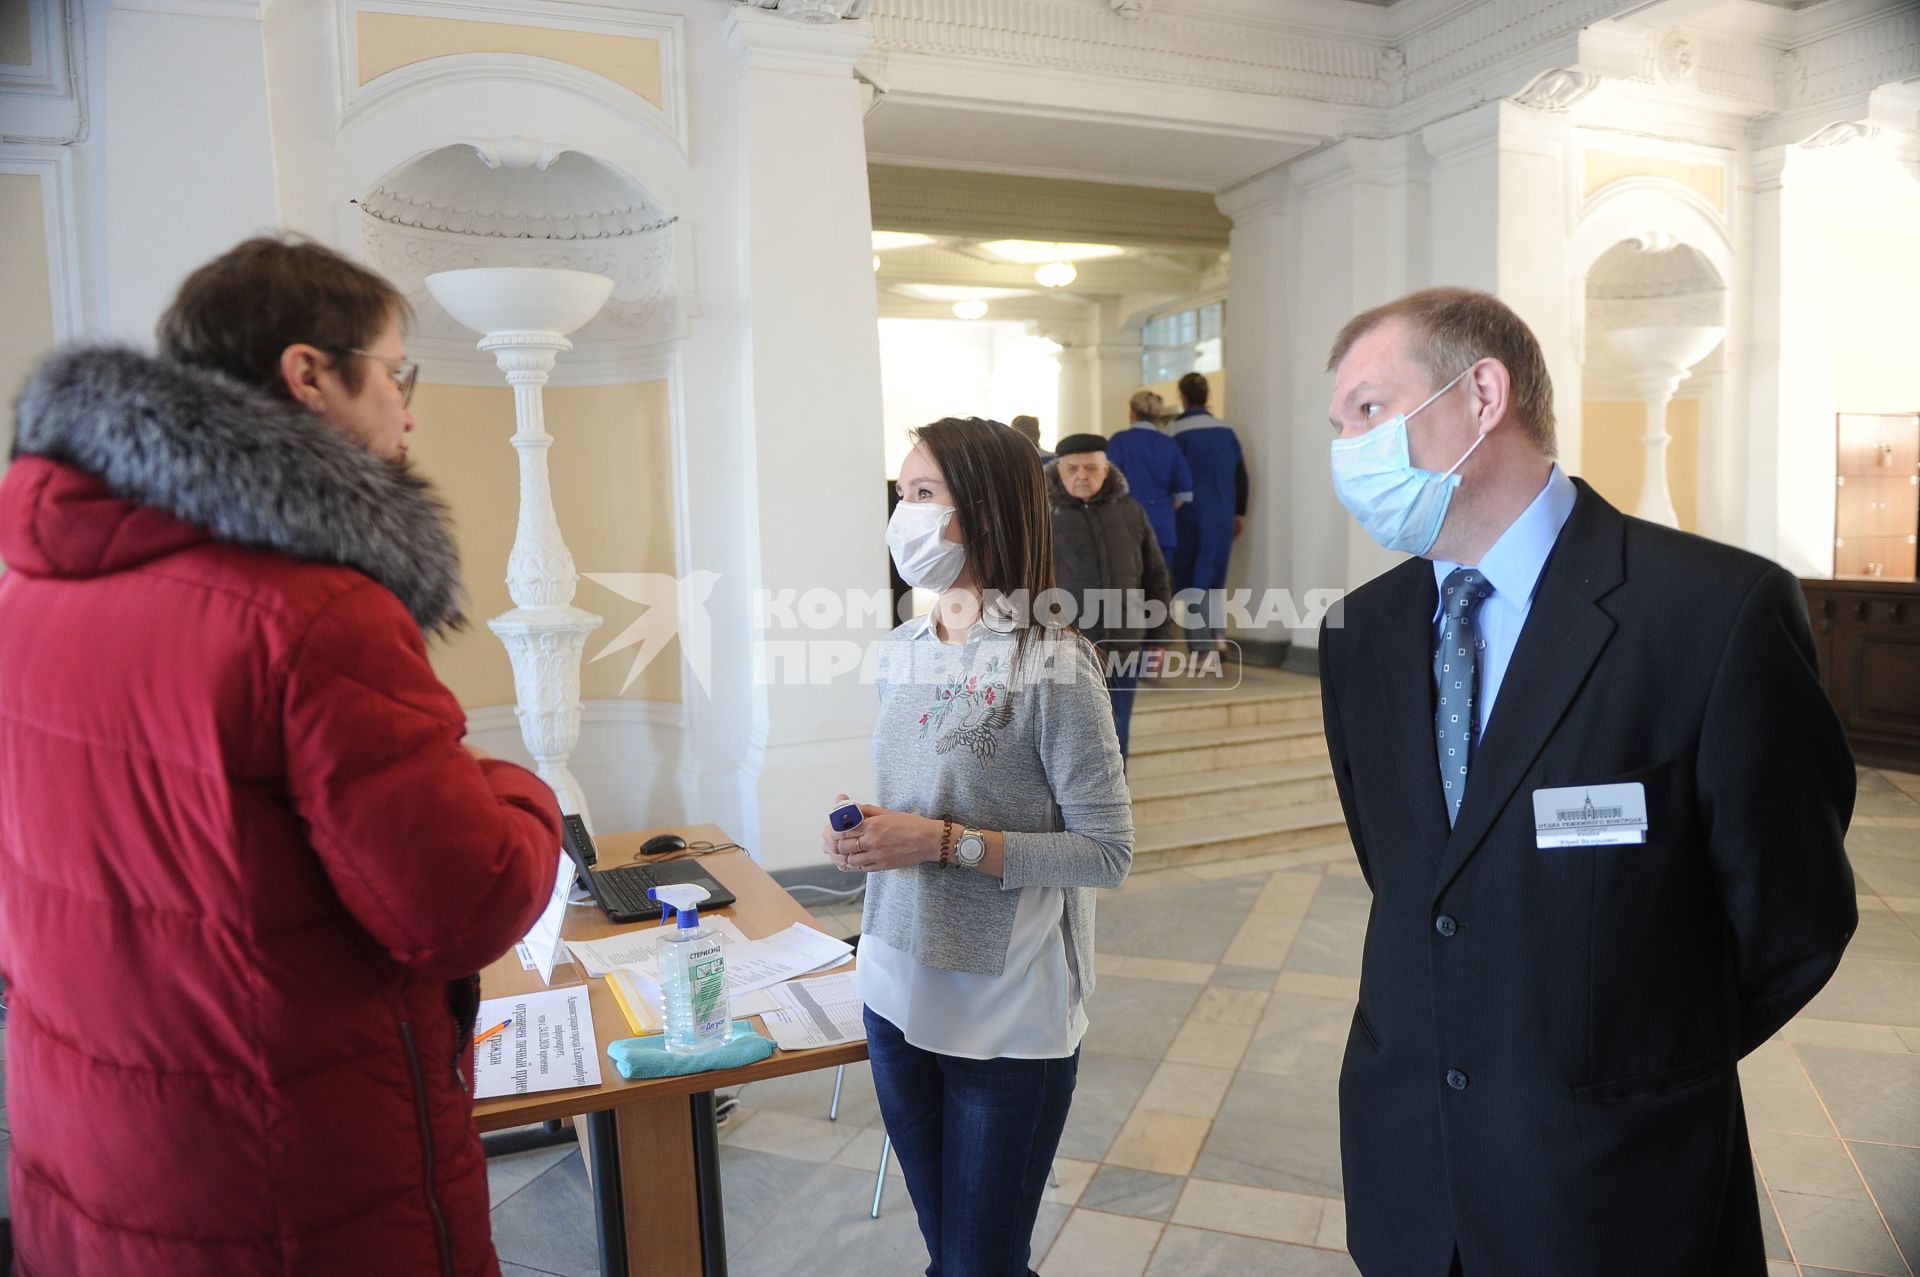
[1612, 457]
[1710, 180]
[610, 465]
[1876, 281]
[388, 41]
[26, 320]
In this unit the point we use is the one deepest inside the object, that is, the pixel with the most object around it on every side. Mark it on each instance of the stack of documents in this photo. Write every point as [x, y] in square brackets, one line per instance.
[631, 965]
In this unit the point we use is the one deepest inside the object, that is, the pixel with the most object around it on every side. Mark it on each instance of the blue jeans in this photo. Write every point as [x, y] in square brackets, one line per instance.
[975, 1139]
[1120, 690]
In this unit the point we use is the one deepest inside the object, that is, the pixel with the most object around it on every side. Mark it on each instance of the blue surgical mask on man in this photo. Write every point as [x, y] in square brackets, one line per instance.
[1400, 505]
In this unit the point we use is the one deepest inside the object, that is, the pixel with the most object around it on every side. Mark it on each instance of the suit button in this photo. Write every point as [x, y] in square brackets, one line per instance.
[1456, 1079]
[1445, 925]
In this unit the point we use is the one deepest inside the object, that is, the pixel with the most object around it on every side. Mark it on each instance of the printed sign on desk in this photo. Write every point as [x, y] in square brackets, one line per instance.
[548, 1044]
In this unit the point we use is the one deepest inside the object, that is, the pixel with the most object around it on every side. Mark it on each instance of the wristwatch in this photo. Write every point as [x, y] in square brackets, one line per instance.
[972, 848]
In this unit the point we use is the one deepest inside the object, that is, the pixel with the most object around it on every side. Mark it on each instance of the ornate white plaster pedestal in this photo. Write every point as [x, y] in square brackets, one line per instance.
[525, 314]
[1658, 360]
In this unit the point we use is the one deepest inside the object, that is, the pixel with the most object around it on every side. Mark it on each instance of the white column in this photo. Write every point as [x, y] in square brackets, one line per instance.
[1117, 365]
[1262, 409]
[1656, 497]
[1079, 402]
[184, 112]
[812, 472]
[1498, 217]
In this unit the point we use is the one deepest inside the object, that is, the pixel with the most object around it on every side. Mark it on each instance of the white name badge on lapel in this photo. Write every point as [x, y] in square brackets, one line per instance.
[1590, 815]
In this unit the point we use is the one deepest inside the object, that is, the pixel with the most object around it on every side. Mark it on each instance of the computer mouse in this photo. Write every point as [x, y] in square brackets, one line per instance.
[661, 844]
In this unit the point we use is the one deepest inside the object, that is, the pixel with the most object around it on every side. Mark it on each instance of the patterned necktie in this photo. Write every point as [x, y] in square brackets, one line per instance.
[1456, 669]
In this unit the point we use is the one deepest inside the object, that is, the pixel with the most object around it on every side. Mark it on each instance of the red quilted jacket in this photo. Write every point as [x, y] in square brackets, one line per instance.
[246, 866]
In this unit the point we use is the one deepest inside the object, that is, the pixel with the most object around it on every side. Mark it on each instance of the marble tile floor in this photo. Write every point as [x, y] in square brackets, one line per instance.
[1203, 1139]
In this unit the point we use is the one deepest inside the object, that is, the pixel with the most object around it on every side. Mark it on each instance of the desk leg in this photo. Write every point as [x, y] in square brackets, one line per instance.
[609, 1214]
[706, 1169]
[657, 1176]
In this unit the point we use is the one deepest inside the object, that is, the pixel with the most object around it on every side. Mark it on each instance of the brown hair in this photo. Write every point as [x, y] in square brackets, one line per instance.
[1000, 502]
[1193, 390]
[1449, 329]
[237, 313]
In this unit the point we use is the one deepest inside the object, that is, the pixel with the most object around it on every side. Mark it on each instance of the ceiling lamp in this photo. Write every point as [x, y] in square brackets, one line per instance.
[885, 241]
[972, 308]
[1056, 274]
[1036, 252]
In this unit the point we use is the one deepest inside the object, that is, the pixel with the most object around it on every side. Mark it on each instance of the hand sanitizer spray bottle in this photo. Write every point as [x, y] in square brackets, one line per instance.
[693, 973]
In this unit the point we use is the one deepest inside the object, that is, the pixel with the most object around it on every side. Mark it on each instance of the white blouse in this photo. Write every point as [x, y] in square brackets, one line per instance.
[1030, 1011]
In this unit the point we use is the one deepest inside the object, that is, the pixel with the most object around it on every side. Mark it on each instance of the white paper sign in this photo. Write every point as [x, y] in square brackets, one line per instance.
[1590, 815]
[549, 1044]
[543, 938]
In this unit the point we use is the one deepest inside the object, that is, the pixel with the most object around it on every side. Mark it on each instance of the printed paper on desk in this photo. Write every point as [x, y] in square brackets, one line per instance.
[641, 948]
[751, 964]
[550, 1046]
[1590, 815]
[819, 1012]
[797, 951]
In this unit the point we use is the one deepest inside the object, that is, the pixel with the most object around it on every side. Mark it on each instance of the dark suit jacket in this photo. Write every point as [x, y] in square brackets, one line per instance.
[1590, 1002]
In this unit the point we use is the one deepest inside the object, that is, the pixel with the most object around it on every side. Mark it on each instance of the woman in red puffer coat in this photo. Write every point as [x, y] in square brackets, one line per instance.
[247, 868]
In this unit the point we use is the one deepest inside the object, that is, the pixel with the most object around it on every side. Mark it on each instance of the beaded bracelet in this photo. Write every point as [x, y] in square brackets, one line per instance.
[946, 838]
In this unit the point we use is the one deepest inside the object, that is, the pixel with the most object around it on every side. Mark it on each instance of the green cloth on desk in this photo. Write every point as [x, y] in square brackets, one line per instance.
[649, 1057]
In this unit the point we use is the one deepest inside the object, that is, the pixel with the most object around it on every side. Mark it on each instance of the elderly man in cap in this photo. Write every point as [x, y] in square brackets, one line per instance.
[1103, 542]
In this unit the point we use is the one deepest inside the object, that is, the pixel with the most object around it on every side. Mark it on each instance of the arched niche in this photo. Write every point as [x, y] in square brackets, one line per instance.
[1648, 251]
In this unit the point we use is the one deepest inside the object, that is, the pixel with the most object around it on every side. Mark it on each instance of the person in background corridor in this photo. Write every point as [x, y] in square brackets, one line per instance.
[247, 867]
[1155, 469]
[1206, 527]
[1103, 543]
[1028, 428]
[1601, 798]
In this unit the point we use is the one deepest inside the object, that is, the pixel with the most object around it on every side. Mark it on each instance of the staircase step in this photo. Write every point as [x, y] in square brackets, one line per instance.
[1150, 718]
[1237, 834]
[1161, 754]
[1184, 795]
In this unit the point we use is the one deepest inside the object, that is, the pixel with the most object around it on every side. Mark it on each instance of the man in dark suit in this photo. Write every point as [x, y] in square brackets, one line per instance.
[1600, 798]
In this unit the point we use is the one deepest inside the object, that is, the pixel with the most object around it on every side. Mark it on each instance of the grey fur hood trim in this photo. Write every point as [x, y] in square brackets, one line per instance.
[251, 469]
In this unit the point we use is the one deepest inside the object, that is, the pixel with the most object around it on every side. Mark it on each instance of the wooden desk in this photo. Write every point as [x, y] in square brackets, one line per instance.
[652, 1144]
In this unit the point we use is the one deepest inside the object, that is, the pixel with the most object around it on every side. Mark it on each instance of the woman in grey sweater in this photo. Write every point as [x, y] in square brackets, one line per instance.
[1002, 806]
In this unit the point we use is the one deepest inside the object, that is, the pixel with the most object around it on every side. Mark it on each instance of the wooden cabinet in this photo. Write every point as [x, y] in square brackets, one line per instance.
[1867, 634]
[1876, 515]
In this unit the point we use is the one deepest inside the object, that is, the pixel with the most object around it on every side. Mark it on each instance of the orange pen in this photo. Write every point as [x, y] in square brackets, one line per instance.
[490, 1032]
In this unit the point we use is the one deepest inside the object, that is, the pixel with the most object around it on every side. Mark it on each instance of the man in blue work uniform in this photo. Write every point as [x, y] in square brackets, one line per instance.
[1206, 527]
[1155, 468]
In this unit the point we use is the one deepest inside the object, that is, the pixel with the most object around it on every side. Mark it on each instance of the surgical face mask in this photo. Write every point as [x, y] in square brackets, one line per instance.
[1400, 506]
[916, 537]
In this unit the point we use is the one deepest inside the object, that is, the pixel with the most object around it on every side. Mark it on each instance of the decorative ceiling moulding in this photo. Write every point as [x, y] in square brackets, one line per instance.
[990, 205]
[1557, 90]
[1879, 47]
[44, 101]
[823, 12]
[1154, 46]
[245, 10]
[1472, 40]
[513, 188]
[1845, 133]
[353, 99]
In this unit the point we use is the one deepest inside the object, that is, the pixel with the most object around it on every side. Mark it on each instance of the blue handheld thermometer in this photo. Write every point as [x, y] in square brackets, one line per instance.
[845, 818]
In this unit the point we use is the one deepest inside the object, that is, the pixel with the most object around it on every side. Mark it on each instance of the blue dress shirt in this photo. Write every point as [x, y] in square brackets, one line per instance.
[1512, 566]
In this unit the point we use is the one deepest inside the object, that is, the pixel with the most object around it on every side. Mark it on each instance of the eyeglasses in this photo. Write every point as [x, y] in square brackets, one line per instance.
[404, 372]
